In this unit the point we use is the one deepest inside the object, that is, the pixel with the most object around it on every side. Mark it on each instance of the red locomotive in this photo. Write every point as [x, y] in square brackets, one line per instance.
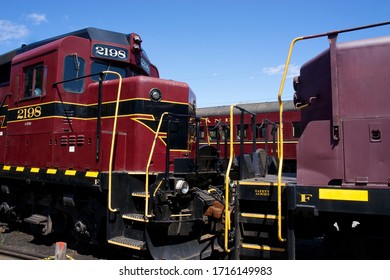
[90, 136]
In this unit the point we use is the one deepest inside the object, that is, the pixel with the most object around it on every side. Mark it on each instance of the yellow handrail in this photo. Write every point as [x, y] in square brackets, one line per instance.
[148, 164]
[206, 130]
[113, 140]
[280, 139]
[227, 182]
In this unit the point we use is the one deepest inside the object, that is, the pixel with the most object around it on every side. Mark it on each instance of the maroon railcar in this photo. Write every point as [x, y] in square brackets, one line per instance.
[343, 167]
[346, 127]
[340, 193]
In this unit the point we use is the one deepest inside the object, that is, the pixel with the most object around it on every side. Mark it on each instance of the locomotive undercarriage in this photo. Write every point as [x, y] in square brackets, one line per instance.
[172, 221]
[48, 210]
[182, 218]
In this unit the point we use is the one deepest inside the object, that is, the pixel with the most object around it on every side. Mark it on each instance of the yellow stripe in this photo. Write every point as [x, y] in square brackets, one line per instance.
[34, 170]
[92, 174]
[124, 245]
[262, 247]
[263, 184]
[6, 167]
[259, 216]
[19, 168]
[70, 172]
[349, 195]
[51, 171]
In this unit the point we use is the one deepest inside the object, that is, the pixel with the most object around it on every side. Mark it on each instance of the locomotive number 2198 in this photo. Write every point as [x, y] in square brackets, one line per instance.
[29, 113]
[110, 52]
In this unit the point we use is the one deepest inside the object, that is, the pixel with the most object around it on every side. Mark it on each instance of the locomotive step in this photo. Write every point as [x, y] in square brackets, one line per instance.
[257, 218]
[139, 194]
[36, 219]
[262, 251]
[135, 217]
[128, 243]
[262, 247]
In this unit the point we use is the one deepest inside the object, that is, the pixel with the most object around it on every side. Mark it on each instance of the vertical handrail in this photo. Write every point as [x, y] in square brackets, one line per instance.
[280, 139]
[231, 157]
[148, 164]
[113, 140]
[206, 130]
[253, 127]
[227, 183]
[99, 117]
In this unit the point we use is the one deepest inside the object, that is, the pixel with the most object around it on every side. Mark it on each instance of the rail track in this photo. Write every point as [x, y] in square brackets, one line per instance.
[14, 254]
[17, 244]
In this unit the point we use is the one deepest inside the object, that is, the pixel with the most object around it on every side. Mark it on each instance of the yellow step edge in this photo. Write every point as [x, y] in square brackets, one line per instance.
[139, 218]
[262, 247]
[260, 216]
[124, 245]
[262, 184]
[139, 194]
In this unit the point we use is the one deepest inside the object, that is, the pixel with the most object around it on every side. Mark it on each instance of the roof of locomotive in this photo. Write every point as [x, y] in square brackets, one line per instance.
[263, 107]
[87, 33]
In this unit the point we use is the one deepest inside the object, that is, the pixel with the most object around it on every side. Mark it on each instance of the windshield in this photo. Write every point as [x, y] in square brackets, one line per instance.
[97, 67]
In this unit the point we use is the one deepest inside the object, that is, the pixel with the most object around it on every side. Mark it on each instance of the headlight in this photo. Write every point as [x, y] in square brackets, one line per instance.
[182, 186]
[155, 94]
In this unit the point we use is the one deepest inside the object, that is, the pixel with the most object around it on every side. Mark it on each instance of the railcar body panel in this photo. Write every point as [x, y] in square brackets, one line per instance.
[345, 135]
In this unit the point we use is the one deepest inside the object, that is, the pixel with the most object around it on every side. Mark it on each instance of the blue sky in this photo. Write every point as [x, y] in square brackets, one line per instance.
[228, 51]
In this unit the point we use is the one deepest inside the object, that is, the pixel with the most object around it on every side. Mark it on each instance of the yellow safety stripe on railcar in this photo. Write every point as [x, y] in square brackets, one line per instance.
[7, 167]
[347, 195]
[247, 142]
[266, 184]
[70, 172]
[92, 174]
[51, 171]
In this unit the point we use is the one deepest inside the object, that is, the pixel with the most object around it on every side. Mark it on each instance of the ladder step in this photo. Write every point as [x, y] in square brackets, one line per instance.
[260, 216]
[139, 194]
[262, 247]
[36, 219]
[256, 251]
[257, 218]
[128, 242]
[135, 217]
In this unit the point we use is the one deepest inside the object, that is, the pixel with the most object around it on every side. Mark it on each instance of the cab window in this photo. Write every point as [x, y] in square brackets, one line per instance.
[34, 79]
[74, 67]
[100, 67]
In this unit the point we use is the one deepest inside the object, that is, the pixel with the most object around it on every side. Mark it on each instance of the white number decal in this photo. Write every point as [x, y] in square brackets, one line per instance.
[107, 51]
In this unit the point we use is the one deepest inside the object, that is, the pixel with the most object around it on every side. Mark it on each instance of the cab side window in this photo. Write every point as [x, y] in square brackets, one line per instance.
[34, 81]
[74, 67]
